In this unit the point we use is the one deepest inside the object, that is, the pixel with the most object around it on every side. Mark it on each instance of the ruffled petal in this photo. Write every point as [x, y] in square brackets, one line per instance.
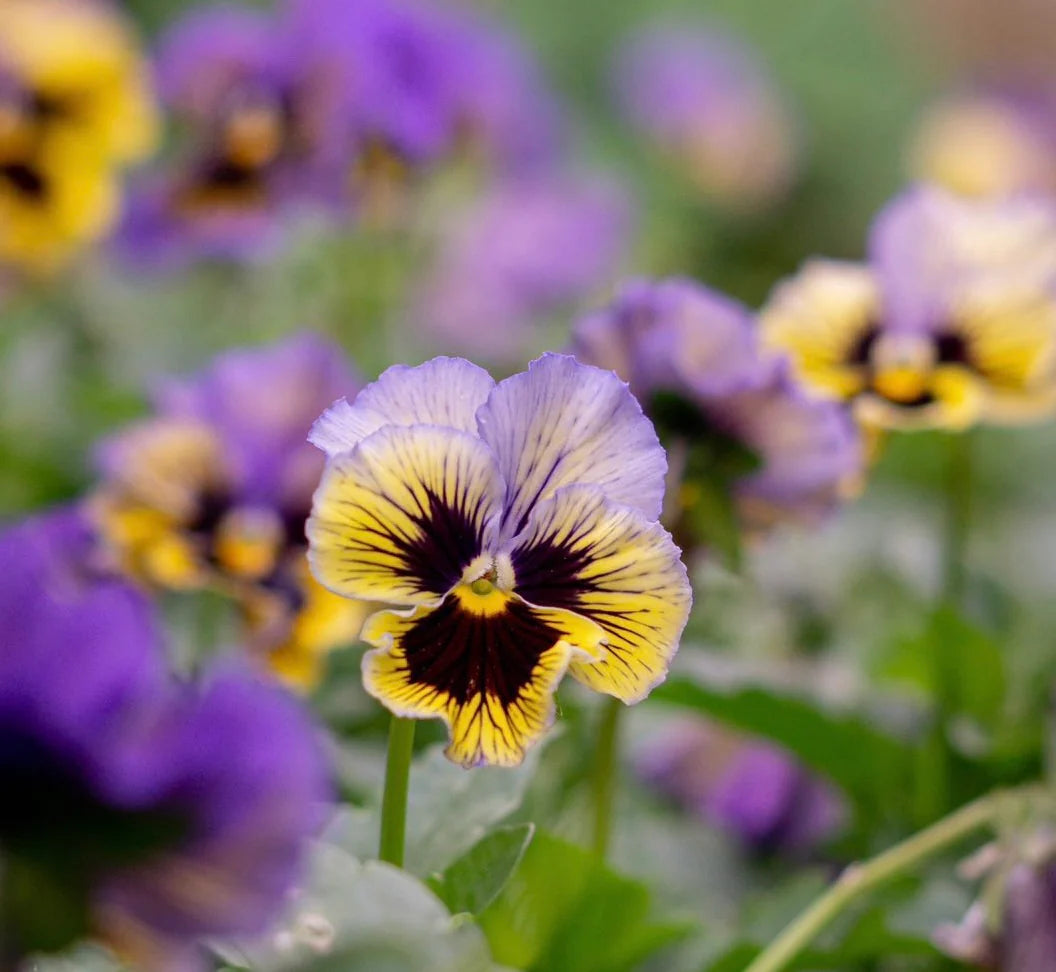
[487, 665]
[1009, 335]
[400, 517]
[610, 564]
[562, 422]
[443, 391]
[823, 319]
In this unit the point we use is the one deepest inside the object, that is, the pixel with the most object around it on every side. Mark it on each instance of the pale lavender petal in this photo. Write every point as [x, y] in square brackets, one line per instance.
[671, 334]
[810, 451]
[444, 391]
[929, 247]
[562, 422]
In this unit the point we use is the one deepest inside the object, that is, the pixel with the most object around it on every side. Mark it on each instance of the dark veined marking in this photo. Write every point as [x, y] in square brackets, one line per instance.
[447, 539]
[861, 348]
[467, 655]
[951, 348]
[25, 180]
[548, 574]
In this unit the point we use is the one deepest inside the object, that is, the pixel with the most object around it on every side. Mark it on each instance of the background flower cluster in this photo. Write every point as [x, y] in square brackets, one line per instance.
[817, 241]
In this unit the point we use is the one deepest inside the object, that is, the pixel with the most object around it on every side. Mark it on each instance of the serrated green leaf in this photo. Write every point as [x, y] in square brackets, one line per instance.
[475, 880]
[449, 809]
[354, 915]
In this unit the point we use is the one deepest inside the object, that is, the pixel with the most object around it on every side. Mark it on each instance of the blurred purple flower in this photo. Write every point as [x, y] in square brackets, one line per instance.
[421, 80]
[525, 252]
[215, 489]
[704, 98]
[143, 812]
[951, 322]
[749, 788]
[264, 137]
[693, 359]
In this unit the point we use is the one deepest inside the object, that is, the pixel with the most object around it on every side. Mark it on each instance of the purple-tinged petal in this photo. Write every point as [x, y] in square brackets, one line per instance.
[671, 334]
[931, 248]
[205, 55]
[563, 423]
[443, 391]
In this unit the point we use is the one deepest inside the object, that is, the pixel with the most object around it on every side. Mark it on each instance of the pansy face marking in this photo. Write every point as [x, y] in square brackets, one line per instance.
[952, 321]
[515, 526]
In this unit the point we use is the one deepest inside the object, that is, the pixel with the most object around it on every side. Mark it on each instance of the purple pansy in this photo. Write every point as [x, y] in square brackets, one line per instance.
[703, 97]
[421, 80]
[521, 254]
[152, 813]
[750, 788]
[264, 136]
[215, 488]
[726, 408]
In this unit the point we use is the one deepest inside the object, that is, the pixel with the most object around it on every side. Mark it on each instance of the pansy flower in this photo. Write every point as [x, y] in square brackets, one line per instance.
[214, 491]
[951, 322]
[706, 100]
[422, 83]
[989, 141]
[515, 526]
[261, 135]
[146, 813]
[75, 106]
[749, 447]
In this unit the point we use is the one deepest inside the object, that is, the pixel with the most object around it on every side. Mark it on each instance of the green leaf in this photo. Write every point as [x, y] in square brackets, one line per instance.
[475, 880]
[956, 663]
[563, 909]
[851, 752]
[449, 810]
[369, 916]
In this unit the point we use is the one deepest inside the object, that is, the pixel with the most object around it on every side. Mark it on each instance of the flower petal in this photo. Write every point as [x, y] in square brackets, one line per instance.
[562, 422]
[611, 565]
[443, 391]
[822, 318]
[1010, 339]
[400, 517]
[488, 666]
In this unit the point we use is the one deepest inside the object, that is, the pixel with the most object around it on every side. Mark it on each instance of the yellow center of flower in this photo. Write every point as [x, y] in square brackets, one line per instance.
[253, 137]
[482, 598]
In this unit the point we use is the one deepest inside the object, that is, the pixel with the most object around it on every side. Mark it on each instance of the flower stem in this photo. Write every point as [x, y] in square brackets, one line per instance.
[858, 879]
[605, 762]
[394, 799]
[958, 516]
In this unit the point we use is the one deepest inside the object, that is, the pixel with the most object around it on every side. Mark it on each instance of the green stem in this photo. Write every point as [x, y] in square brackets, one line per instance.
[958, 516]
[605, 762]
[858, 879]
[394, 799]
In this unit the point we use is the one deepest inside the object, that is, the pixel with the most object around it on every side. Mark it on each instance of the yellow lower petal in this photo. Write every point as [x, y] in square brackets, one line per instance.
[488, 670]
[611, 565]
